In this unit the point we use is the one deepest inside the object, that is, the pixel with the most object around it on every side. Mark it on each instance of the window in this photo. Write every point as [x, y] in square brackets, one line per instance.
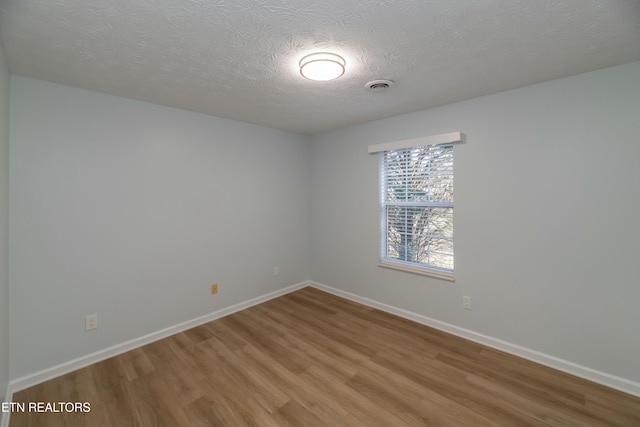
[416, 205]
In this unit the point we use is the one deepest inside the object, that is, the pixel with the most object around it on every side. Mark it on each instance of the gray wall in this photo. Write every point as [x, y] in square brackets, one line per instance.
[131, 210]
[4, 223]
[547, 208]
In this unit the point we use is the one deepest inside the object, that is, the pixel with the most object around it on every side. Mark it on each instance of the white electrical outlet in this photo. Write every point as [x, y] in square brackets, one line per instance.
[91, 322]
[466, 302]
[276, 271]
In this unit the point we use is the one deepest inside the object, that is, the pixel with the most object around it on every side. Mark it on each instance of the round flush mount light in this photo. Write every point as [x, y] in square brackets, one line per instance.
[322, 66]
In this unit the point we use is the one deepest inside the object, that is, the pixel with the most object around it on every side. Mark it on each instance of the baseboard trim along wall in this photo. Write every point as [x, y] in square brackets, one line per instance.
[75, 364]
[602, 378]
[605, 379]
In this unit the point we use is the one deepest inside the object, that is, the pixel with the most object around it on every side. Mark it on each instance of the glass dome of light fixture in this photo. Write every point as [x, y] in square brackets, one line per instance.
[322, 66]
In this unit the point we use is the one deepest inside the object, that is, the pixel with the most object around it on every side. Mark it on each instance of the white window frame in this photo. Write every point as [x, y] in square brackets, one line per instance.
[411, 267]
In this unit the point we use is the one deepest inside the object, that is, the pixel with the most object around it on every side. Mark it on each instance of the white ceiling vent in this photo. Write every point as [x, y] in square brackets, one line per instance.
[379, 85]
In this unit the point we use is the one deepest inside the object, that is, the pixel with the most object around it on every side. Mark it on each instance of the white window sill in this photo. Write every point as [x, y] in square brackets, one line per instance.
[418, 270]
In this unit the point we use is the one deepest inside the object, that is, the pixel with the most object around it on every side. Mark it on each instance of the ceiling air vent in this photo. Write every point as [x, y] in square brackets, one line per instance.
[379, 85]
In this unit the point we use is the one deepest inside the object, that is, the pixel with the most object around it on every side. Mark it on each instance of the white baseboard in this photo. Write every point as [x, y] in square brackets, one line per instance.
[605, 379]
[602, 378]
[75, 364]
[5, 416]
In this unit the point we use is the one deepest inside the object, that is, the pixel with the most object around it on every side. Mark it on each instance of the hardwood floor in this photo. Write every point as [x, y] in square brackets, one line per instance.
[312, 359]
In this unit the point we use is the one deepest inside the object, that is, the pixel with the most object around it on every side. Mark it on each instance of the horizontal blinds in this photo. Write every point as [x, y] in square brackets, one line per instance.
[418, 174]
[417, 205]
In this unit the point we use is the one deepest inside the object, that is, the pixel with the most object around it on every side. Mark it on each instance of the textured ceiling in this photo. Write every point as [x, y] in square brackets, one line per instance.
[238, 58]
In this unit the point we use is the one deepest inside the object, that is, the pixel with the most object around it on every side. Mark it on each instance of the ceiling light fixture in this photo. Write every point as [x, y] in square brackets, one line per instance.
[322, 66]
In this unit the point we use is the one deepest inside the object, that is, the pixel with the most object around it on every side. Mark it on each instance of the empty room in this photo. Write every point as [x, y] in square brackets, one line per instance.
[319, 213]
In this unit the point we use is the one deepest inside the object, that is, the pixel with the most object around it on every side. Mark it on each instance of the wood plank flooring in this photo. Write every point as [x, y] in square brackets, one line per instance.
[312, 359]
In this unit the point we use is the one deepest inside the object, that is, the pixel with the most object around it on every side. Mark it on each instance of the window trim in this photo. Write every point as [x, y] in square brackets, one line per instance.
[451, 137]
[415, 269]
